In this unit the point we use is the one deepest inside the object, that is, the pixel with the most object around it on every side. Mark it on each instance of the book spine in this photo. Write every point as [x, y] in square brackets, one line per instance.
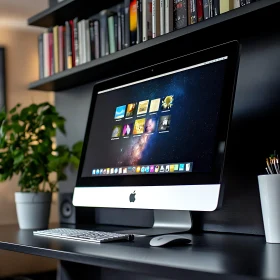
[199, 8]
[97, 39]
[162, 17]
[123, 28]
[46, 54]
[224, 6]
[155, 18]
[149, 19]
[168, 16]
[111, 34]
[87, 40]
[104, 38]
[116, 31]
[41, 55]
[68, 46]
[119, 24]
[180, 14]
[92, 39]
[72, 42]
[61, 48]
[80, 36]
[56, 49]
[139, 21]
[51, 57]
[84, 42]
[76, 41]
[236, 4]
[216, 7]
[211, 8]
[126, 23]
[133, 22]
[206, 9]
[192, 16]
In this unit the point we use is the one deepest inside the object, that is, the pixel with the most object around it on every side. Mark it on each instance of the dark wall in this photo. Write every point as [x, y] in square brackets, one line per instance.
[253, 134]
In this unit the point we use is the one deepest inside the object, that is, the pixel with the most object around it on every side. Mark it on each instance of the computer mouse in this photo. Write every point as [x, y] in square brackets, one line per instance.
[169, 240]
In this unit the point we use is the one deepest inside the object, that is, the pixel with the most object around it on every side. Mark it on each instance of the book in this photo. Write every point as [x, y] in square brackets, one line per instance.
[216, 7]
[242, 3]
[51, 56]
[81, 40]
[168, 16]
[206, 9]
[55, 49]
[46, 54]
[123, 28]
[199, 8]
[97, 38]
[87, 40]
[133, 21]
[76, 41]
[192, 16]
[68, 49]
[41, 55]
[61, 45]
[116, 31]
[162, 17]
[104, 37]
[234, 4]
[224, 6]
[139, 21]
[147, 20]
[126, 23]
[111, 32]
[119, 24]
[155, 18]
[180, 14]
[72, 42]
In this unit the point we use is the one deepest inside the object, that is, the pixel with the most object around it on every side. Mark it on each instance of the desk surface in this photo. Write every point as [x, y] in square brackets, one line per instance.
[220, 255]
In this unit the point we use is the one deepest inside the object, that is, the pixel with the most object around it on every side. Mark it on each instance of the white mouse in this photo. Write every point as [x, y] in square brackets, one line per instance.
[169, 239]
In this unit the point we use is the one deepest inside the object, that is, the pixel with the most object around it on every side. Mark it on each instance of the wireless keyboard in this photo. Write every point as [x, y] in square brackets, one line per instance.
[84, 235]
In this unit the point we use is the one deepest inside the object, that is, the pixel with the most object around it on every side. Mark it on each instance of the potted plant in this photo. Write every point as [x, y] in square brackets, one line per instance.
[27, 149]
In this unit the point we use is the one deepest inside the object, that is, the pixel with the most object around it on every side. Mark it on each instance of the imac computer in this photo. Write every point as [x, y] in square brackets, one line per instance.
[156, 138]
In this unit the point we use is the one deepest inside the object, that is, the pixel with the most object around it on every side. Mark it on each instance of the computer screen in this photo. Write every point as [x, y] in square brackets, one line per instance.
[166, 123]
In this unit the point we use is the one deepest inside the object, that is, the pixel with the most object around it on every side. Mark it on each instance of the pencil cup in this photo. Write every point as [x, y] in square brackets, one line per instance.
[269, 186]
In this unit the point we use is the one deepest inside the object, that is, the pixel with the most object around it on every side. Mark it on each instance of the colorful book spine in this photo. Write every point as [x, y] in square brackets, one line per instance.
[51, 56]
[133, 22]
[139, 21]
[97, 38]
[41, 55]
[180, 14]
[192, 14]
[56, 49]
[162, 17]
[224, 6]
[199, 8]
[126, 24]
[169, 16]
[155, 18]
[71, 23]
[111, 30]
[76, 41]
[68, 42]
[46, 54]
[216, 7]
[61, 44]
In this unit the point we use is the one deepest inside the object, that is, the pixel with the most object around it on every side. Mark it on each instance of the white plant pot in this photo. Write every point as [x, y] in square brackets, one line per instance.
[33, 209]
[269, 186]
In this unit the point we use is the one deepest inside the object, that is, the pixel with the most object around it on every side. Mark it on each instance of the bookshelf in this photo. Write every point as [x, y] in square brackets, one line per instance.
[92, 71]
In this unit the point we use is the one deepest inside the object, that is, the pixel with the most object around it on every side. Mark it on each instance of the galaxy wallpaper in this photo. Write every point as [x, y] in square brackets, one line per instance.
[178, 125]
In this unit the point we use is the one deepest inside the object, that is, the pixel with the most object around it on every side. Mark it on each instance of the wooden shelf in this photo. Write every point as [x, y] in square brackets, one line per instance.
[69, 9]
[93, 71]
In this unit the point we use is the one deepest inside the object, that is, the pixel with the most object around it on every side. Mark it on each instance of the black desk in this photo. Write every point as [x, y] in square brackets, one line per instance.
[218, 256]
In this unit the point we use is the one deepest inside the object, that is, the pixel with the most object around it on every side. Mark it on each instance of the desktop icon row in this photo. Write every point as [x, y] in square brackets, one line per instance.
[151, 169]
[140, 126]
[142, 107]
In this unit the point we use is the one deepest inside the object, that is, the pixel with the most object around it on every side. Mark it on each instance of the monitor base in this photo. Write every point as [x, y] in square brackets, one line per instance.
[166, 222]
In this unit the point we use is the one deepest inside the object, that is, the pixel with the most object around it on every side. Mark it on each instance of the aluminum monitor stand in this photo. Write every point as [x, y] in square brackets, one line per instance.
[166, 222]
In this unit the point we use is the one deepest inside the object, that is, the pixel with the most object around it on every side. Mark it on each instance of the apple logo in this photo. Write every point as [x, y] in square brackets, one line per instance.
[132, 197]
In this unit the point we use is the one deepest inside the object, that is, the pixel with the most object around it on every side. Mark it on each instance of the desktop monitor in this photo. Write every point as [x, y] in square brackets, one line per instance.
[156, 137]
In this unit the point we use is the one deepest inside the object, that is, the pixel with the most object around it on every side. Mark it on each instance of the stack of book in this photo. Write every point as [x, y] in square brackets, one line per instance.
[122, 26]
